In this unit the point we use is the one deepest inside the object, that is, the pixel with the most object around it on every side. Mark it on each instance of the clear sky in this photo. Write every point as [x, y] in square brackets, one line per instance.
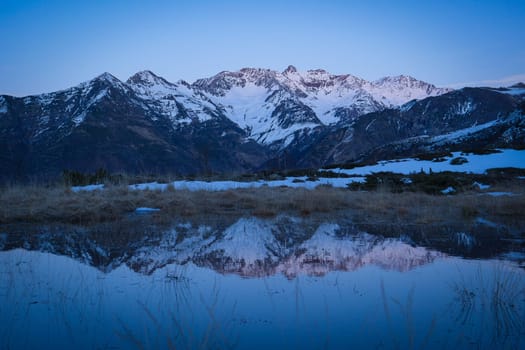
[50, 45]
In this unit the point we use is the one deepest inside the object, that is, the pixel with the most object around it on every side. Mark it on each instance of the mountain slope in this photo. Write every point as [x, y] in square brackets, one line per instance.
[106, 123]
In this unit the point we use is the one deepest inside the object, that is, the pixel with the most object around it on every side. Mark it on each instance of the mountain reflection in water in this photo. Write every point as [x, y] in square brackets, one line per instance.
[258, 283]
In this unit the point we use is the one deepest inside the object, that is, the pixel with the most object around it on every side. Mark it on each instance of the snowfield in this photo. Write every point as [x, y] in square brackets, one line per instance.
[477, 164]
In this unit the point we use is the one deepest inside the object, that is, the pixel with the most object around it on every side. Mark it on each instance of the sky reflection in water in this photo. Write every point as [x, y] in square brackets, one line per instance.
[249, 286]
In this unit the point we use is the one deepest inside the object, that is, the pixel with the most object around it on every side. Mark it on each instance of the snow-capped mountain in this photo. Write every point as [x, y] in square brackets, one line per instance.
[466, 119]
[242, 121]
[144, 125]
[256, 98]
[177, 101]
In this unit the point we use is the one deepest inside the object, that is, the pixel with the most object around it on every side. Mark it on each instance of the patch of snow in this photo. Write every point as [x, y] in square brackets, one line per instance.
[486, 222]
[41, 131]
[407, 106]
[87, 188]
[229, 185]
[481, 186]
[186, 225]
[370, 124]
[448, 190]
[406, 180]
[511, 91]
[464, 108]
[144, 210]
[3, 105]
[464, 132]
[477, 164]
[79, 118]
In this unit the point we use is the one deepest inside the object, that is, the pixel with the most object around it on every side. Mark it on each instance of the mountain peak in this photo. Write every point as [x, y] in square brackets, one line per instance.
[103, 81]
[107, 77]
[146, 77]
[290, 70]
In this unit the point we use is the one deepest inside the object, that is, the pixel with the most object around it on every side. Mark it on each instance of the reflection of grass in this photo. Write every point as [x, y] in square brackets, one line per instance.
[176, 323]
[406, 309]
[494, 301]
[507, 290]
[487, 313]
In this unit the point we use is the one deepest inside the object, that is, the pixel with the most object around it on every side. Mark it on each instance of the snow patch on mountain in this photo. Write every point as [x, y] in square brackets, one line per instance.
[463, 132]
[79, 118]
[247, 107]
[398, 90]
[516, 91]
[179, 102]
[3, 105]
[464, 108]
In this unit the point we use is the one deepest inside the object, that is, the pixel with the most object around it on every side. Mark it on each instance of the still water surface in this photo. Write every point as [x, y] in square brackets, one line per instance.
[257, 284]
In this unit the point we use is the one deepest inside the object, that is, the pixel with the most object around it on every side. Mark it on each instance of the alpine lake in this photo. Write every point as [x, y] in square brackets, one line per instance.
[262, 283]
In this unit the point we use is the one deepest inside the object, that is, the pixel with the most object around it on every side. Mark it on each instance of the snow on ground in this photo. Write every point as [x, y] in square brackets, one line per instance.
[293, 182]
[87, 188]
[477, 164]
[481, 186]
[145, 210]
[448, 190]
[486, 222]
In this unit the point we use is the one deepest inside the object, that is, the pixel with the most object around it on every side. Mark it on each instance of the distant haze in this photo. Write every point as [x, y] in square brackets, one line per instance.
[51, 45]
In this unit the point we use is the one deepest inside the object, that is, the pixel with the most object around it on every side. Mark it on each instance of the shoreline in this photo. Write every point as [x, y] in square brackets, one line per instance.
[59, 204]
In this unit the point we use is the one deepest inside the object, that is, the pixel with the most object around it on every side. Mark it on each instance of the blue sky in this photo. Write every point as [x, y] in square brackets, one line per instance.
[50, 45]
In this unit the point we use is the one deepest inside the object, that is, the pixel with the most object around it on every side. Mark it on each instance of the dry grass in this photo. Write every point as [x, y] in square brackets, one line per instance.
[38, 204]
